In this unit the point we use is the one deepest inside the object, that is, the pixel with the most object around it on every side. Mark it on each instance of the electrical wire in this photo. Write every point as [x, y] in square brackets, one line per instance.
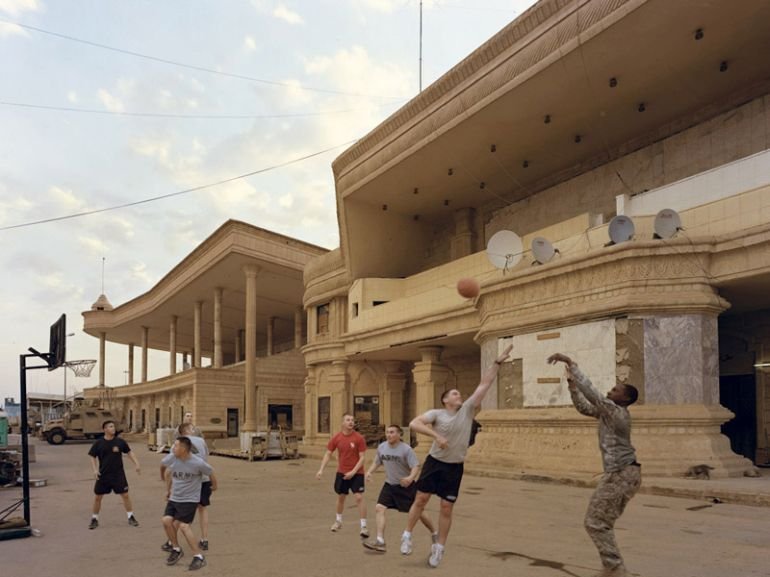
[177, 193]
[196, 67]
[184, 116]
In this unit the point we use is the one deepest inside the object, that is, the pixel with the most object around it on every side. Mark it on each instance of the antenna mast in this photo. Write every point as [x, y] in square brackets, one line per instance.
[420, 45]
[103, 259]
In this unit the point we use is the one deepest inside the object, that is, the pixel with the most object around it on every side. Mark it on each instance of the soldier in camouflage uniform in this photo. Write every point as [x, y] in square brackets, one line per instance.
[622, 474]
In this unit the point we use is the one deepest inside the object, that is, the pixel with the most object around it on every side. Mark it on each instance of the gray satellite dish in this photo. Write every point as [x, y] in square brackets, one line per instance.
[504, 249]
[667, 223]
[621, 229]
[542, 250]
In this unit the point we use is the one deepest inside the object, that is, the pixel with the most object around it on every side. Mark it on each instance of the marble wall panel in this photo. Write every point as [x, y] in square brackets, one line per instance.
[591, 345]
[681, 359]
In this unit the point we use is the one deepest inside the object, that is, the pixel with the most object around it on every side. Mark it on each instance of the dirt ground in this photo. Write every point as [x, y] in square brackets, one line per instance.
[272, 519]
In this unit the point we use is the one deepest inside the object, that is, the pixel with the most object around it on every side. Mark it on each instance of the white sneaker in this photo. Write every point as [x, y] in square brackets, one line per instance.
[436, 553]
[337, 526]
[406, 545]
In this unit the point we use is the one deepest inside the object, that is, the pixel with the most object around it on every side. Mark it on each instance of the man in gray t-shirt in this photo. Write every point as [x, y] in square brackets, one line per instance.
[183, 473]
[399, 490]
[442, 472]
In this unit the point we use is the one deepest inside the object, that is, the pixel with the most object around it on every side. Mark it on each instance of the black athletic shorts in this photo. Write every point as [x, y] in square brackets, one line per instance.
[205, 494]
[397, 497]
[344, 486]
[106, 485]
[442, 479]
[182, 512]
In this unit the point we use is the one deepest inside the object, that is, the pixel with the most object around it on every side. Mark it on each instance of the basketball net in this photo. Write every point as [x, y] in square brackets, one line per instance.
[81, 368]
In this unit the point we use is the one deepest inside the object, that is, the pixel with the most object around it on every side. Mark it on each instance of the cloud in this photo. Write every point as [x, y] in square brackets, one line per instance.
[283, 13]
[93, 245]
[66, 198]
[249, 44]
[8, 29]
[110, 102]
[18, 7]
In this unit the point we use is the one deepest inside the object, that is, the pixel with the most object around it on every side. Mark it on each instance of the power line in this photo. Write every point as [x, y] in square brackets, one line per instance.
[183, 116]
[177, 193]
[195, 67]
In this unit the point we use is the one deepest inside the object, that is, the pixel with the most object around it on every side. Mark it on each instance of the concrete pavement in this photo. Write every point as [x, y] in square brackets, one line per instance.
[272, 519]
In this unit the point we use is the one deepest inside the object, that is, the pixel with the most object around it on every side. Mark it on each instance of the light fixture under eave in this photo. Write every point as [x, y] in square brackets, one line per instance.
[761, 365]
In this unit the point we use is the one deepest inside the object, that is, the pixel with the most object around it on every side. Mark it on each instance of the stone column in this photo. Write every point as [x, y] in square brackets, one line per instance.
[270, 331]
[430, 378]
[145, 344]
[217, 328]
[311, 406]
[197, 313]
[131, 363]
[339, 386]
[297, 327]
[172, 345]
[250, 396]
[392, 401]
[463, 241]
[102, 348]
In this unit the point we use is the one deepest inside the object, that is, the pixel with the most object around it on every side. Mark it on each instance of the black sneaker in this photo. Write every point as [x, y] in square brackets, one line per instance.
[94, 523]
[132, 521]
[167, 547]
[197, 563]
[174, 556]
[203, 544]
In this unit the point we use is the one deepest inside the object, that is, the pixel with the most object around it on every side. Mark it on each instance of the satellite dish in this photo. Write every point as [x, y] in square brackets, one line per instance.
[504, 249]
[542, 250]
[621, 229]
[667, 223]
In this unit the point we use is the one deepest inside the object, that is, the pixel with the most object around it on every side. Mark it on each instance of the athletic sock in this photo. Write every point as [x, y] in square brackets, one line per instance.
[177, 549]
[363, 523]
[339, 517]
[380, 540]
[407, 535]
[199, 556]
[130, 514]
[95, 516]
[439, 546]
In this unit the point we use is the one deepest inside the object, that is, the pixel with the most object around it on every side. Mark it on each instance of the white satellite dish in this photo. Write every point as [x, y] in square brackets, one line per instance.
[504, 249]
[621, 229]
[542, 250]
[667, 223]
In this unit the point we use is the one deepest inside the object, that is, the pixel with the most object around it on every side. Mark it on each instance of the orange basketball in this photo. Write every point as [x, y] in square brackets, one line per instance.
[468, 288]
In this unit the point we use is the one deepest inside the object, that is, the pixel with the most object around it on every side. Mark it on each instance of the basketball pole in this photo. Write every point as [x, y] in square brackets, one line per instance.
[23, 368]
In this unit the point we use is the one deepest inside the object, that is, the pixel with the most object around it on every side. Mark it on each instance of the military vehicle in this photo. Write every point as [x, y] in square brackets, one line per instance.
[81, 422]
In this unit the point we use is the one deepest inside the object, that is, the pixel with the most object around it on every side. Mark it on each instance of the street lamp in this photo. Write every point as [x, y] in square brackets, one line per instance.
[65, 381]
[125, 380]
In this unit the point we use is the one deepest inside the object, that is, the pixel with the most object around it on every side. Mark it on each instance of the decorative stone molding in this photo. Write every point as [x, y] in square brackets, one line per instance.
[560, 443]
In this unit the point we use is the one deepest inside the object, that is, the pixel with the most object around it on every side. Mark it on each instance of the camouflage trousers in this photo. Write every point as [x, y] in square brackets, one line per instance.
[607, 504]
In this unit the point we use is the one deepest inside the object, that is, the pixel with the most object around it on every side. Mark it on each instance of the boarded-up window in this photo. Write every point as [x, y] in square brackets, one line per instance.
[322, 314]
[324, 414]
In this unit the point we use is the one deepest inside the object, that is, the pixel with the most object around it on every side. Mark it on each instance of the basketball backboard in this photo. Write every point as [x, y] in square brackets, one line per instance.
[57, 345]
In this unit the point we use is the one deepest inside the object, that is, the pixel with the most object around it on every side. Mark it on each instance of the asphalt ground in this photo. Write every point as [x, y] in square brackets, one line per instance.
[272, 519]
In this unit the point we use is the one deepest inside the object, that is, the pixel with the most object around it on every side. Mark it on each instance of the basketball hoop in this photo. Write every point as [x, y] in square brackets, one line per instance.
[81, 368]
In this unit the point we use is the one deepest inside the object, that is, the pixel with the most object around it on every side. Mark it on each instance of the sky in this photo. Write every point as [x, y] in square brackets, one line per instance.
[105, 103]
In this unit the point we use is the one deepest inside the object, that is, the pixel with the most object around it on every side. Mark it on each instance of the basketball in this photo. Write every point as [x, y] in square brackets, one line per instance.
[468, 288]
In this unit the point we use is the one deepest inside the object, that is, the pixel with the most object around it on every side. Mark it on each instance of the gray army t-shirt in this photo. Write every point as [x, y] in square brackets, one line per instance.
[187, 477]
[398, 461]
[200, 449]
[455, 428]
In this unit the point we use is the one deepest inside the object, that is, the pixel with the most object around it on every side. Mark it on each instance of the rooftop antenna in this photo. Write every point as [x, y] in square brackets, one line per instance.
[103, 259]
[420, 45]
